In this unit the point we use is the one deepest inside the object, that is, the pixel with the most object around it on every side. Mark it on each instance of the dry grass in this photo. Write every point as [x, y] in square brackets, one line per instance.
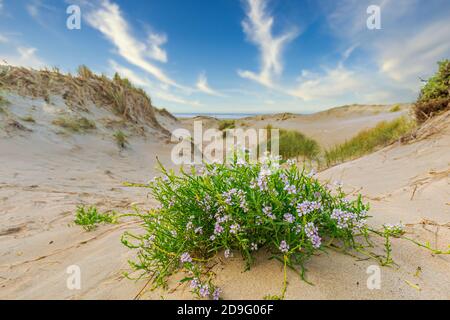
[166, 113]
[75, 124]
[28, 118]
[117, 95]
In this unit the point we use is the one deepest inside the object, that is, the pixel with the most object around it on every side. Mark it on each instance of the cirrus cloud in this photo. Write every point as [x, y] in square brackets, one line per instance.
[258, 29]
[203, 86]
[108, 19]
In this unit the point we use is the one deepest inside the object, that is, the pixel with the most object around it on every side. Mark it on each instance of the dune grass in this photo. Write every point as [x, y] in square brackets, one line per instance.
[74, 124]
[395, 108]
[368, 140]
[80, 90]
[294, 144]
[84, 72]
[226, 124]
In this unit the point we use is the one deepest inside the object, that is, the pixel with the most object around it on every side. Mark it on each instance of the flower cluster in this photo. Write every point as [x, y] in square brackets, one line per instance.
[185, 257]
[235, 196]
[205, 290]
[289, 217]
[284, 247]
[394, 229]
[349, 220]
[312, 232]
[242, 207]
[267, 210]
[307, 206]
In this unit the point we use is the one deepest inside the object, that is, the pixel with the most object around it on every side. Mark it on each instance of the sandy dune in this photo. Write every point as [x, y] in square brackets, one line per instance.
[45, 174]
[328, 128]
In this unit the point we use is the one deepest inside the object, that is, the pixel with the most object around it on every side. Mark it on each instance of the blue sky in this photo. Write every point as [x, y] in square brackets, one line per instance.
[249, 56]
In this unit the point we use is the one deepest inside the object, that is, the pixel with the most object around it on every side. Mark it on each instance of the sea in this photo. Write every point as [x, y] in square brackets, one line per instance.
[216, 115]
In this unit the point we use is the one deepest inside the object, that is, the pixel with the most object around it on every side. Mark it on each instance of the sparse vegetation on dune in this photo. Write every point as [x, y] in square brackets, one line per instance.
[369, 140]
[28, 118]
[226, 124]
[121, 139]
[166, 113]
[117, 94]
[434, 97]
[89, 217]
[395, 108]
[3, 103]
[74, 124]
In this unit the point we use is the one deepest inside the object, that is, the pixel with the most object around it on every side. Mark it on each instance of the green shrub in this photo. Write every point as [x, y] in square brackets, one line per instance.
[368, 140]
[435, 95]
[75, 124]
[241, 208]
[88, 218]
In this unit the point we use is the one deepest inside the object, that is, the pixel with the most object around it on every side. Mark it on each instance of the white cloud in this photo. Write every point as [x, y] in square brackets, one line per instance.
[42, 13]
[33, 9]
[333, 84]
[258, 28]
[415, 55]
[108, 20]
[162, 92]
[202, 85]
[24, 57]
[155, 41]
[408, 46]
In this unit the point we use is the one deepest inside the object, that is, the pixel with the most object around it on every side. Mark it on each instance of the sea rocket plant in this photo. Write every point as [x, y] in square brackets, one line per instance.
[243, 208]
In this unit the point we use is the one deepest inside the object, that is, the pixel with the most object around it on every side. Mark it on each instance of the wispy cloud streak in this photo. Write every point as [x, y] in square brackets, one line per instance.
[108, 19]
[258, 29]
